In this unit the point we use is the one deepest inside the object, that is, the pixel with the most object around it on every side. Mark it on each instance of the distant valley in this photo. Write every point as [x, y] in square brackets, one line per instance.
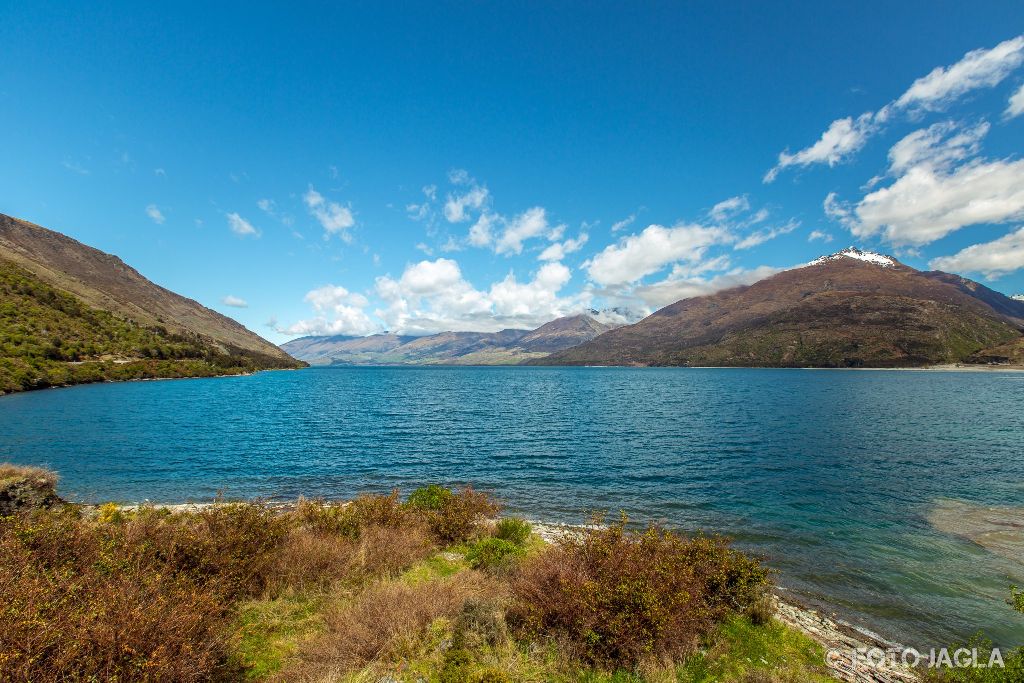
[507, 347]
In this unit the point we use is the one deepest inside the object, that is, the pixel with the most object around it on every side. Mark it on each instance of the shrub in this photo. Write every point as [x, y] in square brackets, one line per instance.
[312, 560]
[349, 519]
[378, 623]
[493, 553]
[513, 529]
[431, 497]
[761, 610]
[620, 598]
[460, 515]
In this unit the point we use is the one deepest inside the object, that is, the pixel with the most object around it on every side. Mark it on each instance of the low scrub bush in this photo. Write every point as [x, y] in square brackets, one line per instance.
[616, 597]
[431, 497]
[310, 560]
[493, 554]
[349, 519]
[380, 622]
[513, 529]
[458, 517]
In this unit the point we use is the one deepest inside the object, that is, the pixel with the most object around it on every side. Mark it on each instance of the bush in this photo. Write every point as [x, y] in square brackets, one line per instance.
[619, 598]
[432, 497]
[460, 515]
[349, 519]
[513, 530]
[493, 553]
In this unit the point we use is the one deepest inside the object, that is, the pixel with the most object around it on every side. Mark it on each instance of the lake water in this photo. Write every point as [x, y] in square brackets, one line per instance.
[831, 475]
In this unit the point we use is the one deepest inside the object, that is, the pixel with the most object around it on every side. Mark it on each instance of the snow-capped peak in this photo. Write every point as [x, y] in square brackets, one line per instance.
[1018, 297]
[859, 254]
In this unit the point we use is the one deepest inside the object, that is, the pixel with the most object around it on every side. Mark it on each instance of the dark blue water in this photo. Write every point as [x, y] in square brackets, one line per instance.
[830, 474]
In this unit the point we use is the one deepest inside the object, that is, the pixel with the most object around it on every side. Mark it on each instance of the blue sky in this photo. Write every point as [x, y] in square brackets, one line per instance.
[419, 167]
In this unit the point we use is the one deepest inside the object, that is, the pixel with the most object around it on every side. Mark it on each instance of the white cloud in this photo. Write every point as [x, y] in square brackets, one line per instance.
[480, 234]
[527, 225]
[761, 236]
[728, 208]
[266, 205]
[155, 215]
[926, 204]
[334, 218]
[240, 226]
[559, 250]
[818, 235]
[339, 311]
[843, 138]
[993, 259]
[432, 296]
[458, 206]
[234, 302]
[648, 252]
[1015, 107]
[977, 69]
[939, 146]
[983, 68]
[624, 223]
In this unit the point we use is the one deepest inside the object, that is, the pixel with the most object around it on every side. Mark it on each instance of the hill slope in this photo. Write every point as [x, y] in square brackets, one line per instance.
[105, 282]
[850, 309]
[448, 348]
[50, 335]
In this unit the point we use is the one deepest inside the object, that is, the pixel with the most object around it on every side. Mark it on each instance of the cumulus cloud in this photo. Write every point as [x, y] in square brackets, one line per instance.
[527, 225]
[458, 206]
[939, 146]
[982, 68]
[433, 296]
[234, 302]
[559, 250]
[1015, 107]
[993, 259]
[334, 218]
[155, 215]
[339, 311]
[241, 227]
[639, 255]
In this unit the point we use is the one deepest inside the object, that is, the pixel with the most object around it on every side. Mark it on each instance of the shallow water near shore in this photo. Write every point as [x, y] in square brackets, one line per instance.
[836, 477]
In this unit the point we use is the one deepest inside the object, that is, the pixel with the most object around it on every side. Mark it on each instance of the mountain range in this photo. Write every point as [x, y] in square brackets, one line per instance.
[70, 313]
[507, 347]
[850, 309]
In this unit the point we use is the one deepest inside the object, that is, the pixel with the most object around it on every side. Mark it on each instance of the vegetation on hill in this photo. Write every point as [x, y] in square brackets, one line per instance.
[425, 589]
[51, 338]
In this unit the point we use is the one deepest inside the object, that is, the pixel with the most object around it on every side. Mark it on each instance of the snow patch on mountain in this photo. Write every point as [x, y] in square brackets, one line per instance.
[859, 254]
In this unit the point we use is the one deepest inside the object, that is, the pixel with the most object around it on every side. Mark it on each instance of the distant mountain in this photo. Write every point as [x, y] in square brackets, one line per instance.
[71, 314]
[849, 309]
[448, 348]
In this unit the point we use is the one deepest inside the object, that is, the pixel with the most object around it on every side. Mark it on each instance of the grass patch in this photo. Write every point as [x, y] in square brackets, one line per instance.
[270, 631]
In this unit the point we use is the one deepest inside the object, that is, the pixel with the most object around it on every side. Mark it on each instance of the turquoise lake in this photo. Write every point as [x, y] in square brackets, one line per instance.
[831, 475]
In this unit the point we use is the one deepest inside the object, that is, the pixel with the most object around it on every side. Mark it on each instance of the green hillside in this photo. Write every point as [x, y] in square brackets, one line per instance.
[51, 338]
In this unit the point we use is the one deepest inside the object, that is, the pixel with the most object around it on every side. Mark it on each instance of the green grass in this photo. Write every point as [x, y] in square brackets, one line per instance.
[270, 630]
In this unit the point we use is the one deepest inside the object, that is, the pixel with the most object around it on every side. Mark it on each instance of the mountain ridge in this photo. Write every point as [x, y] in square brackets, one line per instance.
[848, 309]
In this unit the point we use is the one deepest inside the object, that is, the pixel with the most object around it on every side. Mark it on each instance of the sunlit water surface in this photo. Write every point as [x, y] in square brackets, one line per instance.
[829, 474]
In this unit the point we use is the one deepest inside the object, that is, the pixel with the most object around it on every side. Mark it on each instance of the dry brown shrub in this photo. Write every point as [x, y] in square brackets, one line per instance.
[380, 622]
[37, 475]
[617, 598]
[318, 560]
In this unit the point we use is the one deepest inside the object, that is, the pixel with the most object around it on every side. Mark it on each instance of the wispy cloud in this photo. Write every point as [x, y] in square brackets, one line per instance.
[993, 259]
[334, 218]
[234, 302]
[241, 227]
[155, 215]
[74, 167]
